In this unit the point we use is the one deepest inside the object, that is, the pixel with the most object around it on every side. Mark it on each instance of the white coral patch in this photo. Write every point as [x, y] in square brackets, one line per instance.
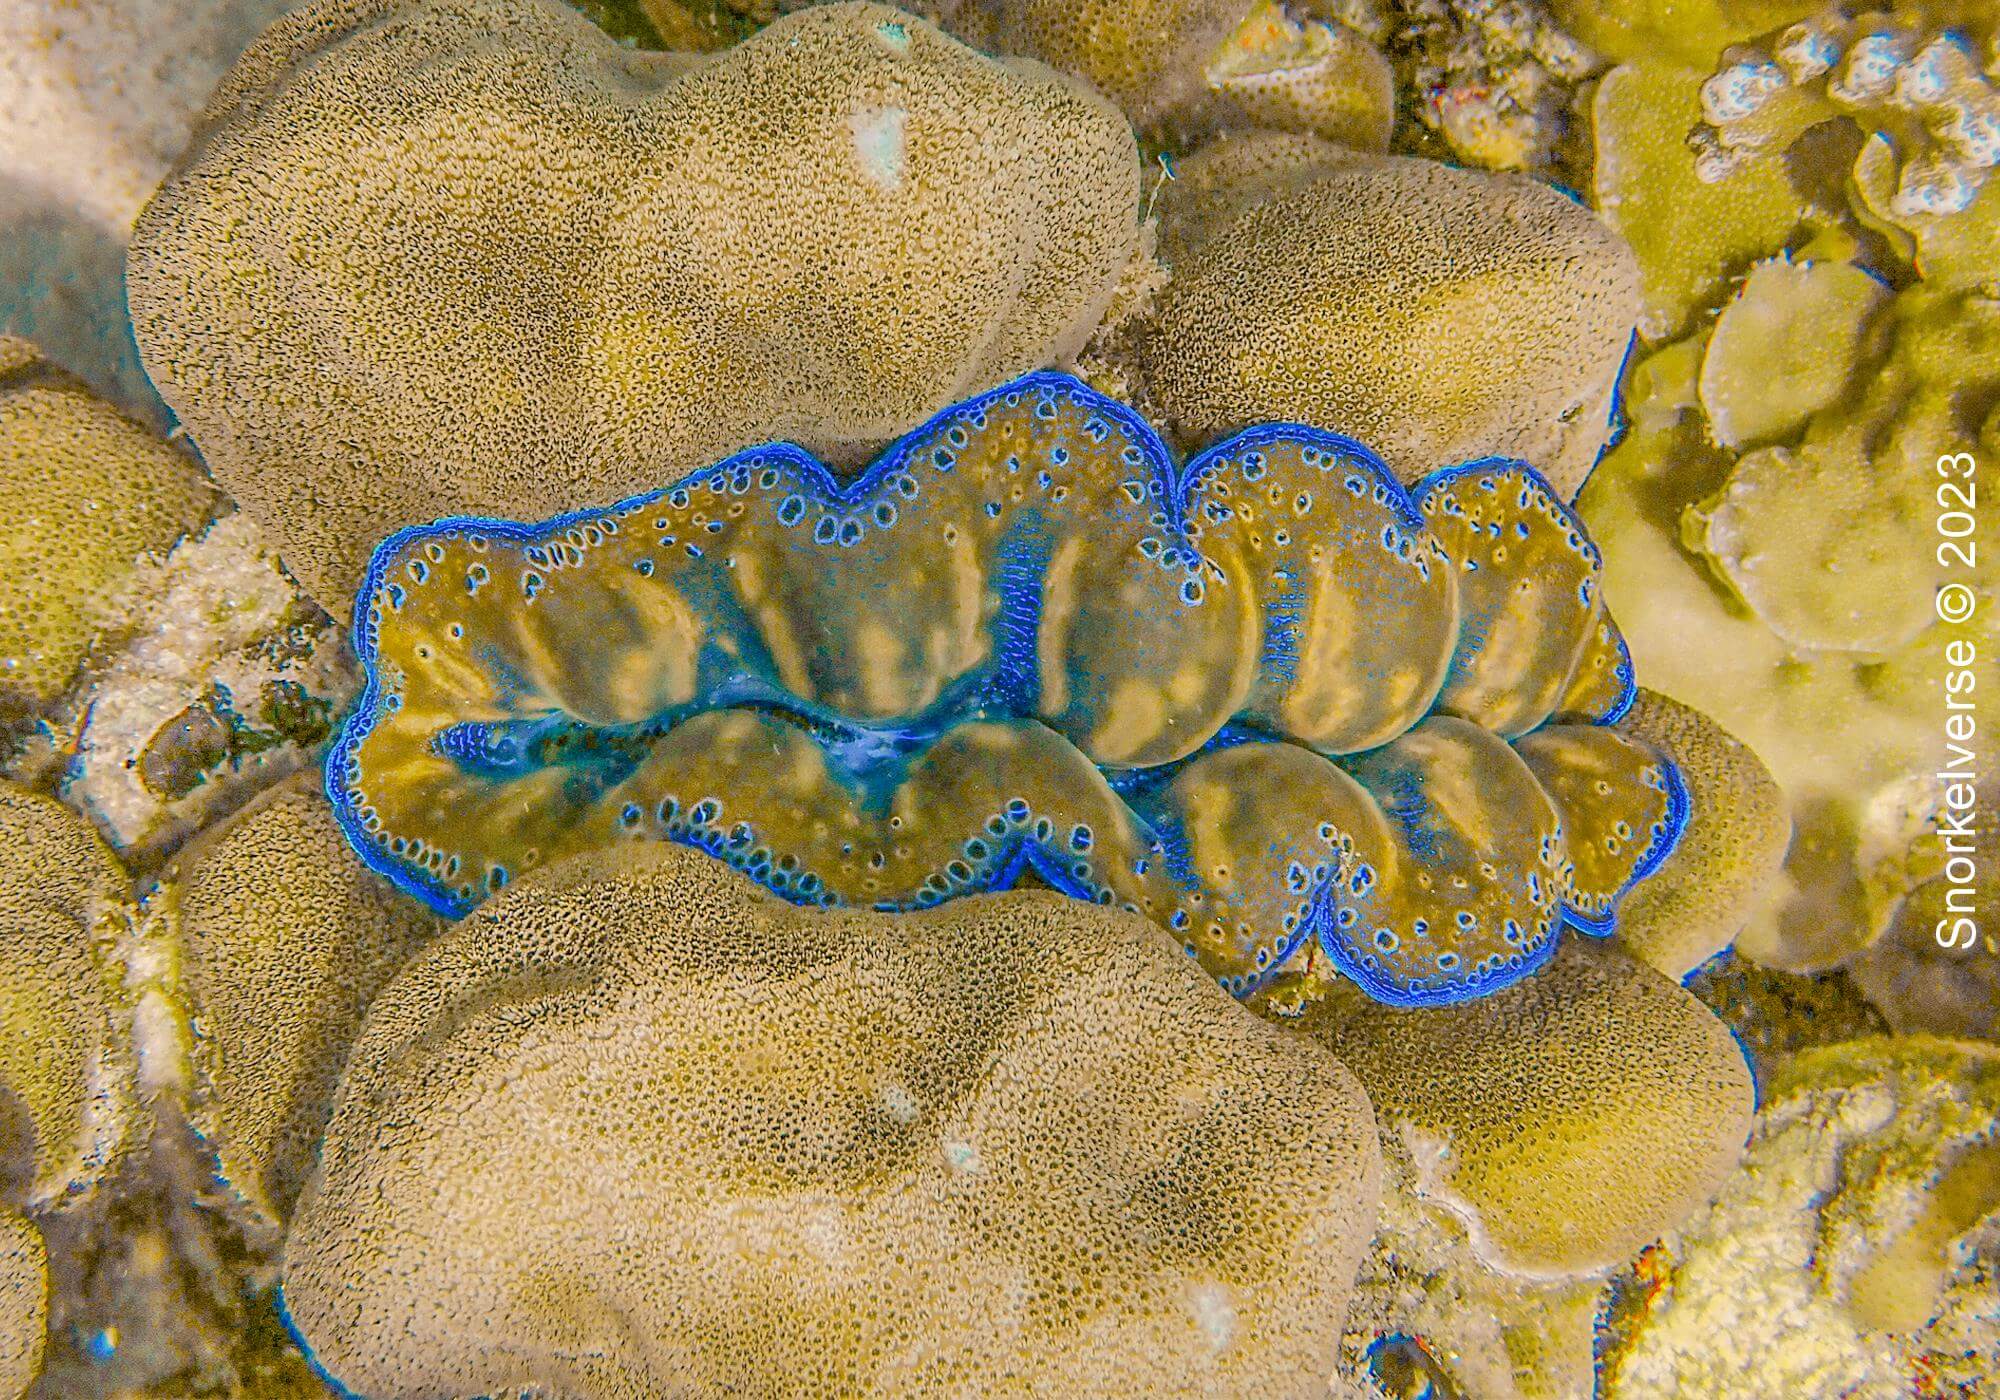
[878, 144]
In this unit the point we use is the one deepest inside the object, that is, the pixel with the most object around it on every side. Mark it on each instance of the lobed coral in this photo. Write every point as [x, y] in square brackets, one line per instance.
[283, 942]
[1569, 1119]
[829, 231]
[24, 1286]
[1291, 310]
[1719, 874]
[65, 1070]
[635, 1126]
[1023, 640]
[92, 494]
[67, 1109]
[100, 98]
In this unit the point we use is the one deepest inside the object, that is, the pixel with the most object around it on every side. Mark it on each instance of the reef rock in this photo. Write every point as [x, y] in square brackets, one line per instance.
[636, 1126]
[1857, 1252]
[470, 255]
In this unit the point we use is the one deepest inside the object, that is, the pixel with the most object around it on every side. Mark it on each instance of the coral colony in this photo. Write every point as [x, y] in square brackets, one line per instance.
[984, 749]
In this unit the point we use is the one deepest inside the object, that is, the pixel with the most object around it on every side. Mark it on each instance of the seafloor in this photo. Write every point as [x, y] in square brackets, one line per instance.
[1167, 883]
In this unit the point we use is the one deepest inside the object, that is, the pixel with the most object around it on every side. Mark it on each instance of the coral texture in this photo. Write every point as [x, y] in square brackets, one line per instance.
[1571, 1118]
[91, 493]
[24, 1302]
[1183, 70]
[636, 1127]
[1723, 868]
[284, 941]
[1308, 306]
[1815, 240]
[1857, 1253]
[64, 1063]
[827, 232]
[1022, 639]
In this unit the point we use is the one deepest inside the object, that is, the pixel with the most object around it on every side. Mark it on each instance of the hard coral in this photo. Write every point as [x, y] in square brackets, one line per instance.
[1437, 314]
[24, 1302]
[1812, 562]
[1023, 640]
[1914, 82]
[65, 1070]
[470, 255]
[1722, 870]
[636, 1127]
[283, 943]
[91, 494]
[100, 98]
[1570, 1118]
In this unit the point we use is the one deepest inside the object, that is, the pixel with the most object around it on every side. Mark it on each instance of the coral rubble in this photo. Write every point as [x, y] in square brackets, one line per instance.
[1856, 1254]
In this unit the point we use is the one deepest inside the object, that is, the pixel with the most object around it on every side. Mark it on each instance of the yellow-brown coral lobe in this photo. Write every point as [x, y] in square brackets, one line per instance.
[65, 1069]
[1569, 1118]
[1727, 860]
[284, 941]
[636, 1127]
[1436, 314]
[89, 494]
[827, 232]
[24, 1302]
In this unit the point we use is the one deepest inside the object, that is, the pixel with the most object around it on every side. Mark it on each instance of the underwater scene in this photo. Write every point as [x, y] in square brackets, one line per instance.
[1031, 698]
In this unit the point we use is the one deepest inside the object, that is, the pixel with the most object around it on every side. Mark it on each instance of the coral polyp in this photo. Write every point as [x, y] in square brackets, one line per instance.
[1265, 699]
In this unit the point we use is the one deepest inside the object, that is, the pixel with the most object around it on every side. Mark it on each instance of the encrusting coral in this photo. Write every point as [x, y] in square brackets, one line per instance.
[1305, 305]
[636, 1126]
[1022, 640]
[827, 232]
[283, 942]
[90, 495]
[1817, 397]
[1858, 1251]
[1570, 1118]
